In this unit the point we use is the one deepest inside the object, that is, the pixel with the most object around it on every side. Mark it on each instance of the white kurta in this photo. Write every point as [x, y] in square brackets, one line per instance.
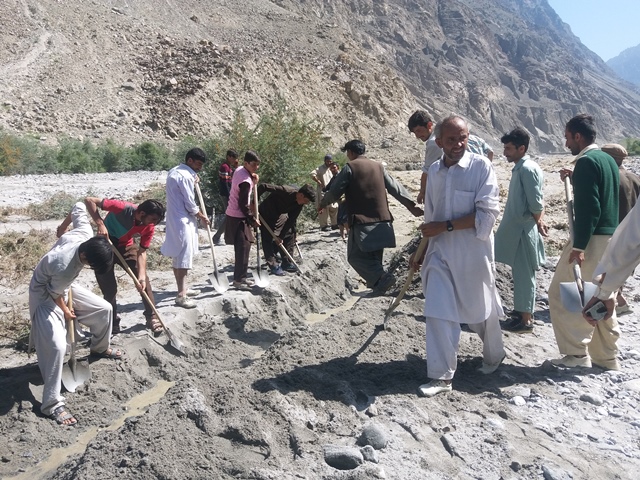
[181, 240]
[458, 270]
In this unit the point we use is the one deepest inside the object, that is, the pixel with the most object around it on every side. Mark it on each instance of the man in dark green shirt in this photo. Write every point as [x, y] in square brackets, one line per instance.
[595, 182]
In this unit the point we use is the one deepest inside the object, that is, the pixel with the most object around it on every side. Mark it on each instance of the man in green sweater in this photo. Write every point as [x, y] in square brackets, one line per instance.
[595, 182]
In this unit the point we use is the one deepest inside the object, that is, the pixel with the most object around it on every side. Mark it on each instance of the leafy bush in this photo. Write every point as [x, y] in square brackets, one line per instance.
[289, 145]
[633, 146]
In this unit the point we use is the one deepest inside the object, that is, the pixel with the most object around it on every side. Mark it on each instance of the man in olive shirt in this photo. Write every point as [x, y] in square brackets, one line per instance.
[518, 241]
[595, 181]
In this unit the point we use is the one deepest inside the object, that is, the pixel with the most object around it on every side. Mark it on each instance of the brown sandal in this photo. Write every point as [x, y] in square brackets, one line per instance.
[154, 325]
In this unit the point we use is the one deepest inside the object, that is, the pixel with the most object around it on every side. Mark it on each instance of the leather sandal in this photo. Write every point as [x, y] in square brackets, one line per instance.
[154, 325]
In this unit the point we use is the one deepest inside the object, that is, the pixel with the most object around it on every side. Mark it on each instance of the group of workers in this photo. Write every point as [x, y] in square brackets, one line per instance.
[460, 194]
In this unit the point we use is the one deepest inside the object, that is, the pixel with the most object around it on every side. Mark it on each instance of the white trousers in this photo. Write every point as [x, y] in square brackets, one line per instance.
[443, 338]
[49, 335]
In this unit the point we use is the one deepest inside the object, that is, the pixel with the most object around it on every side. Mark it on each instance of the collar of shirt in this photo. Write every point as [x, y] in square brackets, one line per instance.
[464, 162]
[593, 146]
[190, 170]
[519, 164]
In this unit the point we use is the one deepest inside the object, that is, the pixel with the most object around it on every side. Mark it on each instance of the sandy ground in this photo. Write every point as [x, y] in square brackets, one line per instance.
[285, 383]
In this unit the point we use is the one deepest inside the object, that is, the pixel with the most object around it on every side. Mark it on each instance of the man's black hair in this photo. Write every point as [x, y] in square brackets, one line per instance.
[308, 192]
[98, 253]
[419, 118]
[355, 146]
[582, 124]
[196, 154]
[251, 156]
[153, 207]
[518, 137]
[232, 153]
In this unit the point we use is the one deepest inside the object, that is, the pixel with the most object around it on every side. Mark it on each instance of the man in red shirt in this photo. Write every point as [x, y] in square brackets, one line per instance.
[122, 223]
[224, 187]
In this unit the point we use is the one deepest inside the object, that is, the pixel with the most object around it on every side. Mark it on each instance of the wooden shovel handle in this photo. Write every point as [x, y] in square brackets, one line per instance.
[136, 282]
[204, 212]
[71, 323]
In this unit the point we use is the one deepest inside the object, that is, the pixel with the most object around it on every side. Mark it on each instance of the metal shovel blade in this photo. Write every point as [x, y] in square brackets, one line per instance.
[261, 277]
[74, 374]
[219, 281]
[571, 298]
[174, 341]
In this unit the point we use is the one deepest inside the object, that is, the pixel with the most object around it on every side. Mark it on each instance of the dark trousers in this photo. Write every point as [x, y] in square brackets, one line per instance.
[109, 285]
[221, 227]
[270, 247]
[238, 232]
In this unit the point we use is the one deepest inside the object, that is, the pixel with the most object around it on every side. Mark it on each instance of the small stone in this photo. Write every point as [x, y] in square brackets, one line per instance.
[515, 466]
[518, 401]
[373, 435]
[517, 391]
[555, 473]
[343, 458]
[632, 385]
[372, 410]
[6, 459]
[495, 423]
[592, 398]
[369, 454]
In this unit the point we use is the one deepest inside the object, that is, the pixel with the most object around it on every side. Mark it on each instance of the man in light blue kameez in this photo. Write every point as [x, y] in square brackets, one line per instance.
[518, 241]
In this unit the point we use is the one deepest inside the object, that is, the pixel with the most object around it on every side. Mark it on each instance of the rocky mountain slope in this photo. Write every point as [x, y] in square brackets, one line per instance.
[627, 65]
[163, 70]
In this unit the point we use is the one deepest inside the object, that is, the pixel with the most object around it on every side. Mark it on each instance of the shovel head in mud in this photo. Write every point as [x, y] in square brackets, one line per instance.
[74, 374]
[574, 295]
[219, 281]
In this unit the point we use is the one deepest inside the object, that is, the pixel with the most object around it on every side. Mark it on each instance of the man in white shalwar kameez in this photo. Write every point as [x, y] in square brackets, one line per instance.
[183, 213]
[52, 279]
[461, 207]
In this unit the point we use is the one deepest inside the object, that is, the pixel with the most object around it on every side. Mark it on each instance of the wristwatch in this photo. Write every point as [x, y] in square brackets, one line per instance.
[449, 226]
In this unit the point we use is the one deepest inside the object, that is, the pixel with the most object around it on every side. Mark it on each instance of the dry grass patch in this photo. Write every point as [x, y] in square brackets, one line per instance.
[20, 253]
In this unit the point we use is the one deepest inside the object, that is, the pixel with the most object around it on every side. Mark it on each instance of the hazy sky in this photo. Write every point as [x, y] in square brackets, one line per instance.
[606, 27]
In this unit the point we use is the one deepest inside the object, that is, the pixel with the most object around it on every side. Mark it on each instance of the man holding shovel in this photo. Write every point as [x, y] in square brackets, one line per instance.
[123, 221]
[595, 182]
[49, 313]
[241, 219]
[279, 211]
[183, 213]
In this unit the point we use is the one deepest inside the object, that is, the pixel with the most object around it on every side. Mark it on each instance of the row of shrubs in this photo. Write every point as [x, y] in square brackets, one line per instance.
[289, 145]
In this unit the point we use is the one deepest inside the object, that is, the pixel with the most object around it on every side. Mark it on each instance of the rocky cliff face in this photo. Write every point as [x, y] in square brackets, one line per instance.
[627, 65]
[139, 70]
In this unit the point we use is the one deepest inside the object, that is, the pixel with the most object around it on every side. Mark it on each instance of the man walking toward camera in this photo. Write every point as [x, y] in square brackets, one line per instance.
[595, 182]
[183, 213]
[458, 281]
[519, 236]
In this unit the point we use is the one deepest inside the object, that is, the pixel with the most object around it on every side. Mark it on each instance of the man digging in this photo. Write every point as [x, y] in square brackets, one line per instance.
[49, 312]
[123, 221]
